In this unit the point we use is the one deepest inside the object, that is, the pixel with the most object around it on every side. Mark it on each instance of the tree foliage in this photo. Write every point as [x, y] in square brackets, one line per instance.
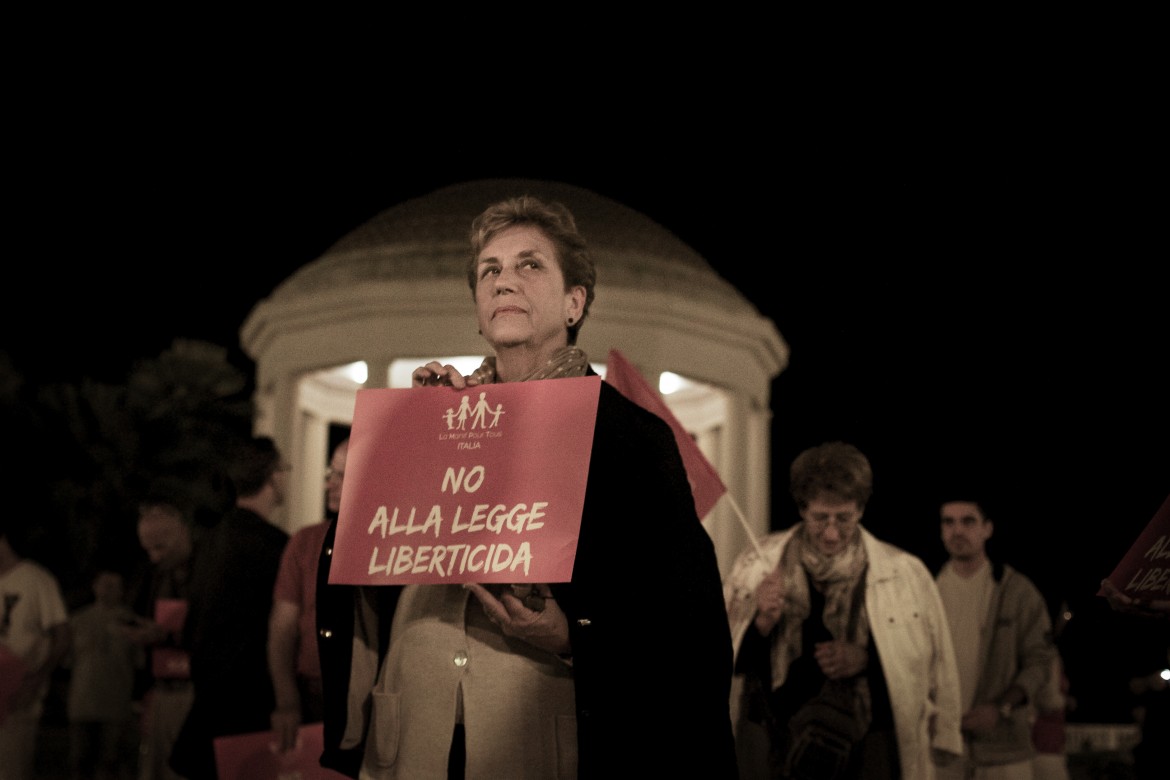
[88, 450]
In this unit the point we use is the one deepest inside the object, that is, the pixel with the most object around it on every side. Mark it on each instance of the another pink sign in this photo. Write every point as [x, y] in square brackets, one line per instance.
[1144, 572]
[168, 661]
[480, 485]
[256, 757]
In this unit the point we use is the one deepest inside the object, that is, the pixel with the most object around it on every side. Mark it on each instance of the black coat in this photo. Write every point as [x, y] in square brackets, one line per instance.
[652, 657]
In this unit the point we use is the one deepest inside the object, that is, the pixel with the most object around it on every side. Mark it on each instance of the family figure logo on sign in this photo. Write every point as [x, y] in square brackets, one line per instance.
[478, 415]
[483, 485]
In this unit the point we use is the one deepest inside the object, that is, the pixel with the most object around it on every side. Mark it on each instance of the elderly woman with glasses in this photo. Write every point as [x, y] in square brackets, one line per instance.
[830, 613]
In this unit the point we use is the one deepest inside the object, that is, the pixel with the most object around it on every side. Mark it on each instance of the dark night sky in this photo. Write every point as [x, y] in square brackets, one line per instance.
[994, 309]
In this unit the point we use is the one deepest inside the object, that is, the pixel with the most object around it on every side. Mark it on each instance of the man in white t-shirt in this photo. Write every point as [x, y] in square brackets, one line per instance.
[34, 637]
[1002, 637]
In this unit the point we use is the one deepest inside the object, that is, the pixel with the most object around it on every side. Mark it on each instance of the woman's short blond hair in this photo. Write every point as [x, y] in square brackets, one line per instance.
[556, 222]
[834, 469]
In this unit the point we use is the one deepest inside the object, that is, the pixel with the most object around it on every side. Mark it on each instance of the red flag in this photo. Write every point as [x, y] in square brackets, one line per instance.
[706, 485]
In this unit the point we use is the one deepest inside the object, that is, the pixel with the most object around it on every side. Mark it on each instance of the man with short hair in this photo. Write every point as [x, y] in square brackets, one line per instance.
[166, 532]
[34, 638]
[1002, 636]
[231, 598]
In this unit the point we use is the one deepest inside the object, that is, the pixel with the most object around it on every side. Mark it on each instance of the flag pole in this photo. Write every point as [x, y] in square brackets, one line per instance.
[747, 529]
[628, 380]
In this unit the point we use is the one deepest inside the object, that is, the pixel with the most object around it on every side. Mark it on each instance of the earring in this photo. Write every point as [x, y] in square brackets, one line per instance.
[571, 320]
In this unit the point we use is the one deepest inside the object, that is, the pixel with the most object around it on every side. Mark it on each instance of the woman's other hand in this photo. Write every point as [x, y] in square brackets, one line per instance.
[435, 374]
[547, 628]
[769, 602]
[839, 659]
[1121, 602]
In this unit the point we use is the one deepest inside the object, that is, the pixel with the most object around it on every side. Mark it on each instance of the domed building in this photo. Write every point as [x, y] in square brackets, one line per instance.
[393, 294]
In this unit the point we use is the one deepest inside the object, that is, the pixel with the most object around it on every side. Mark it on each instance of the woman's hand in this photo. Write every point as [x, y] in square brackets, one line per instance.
[1120, 602]
[435, 374]
[839, 659]
[769, 602]
[547, 629]
[286, 722]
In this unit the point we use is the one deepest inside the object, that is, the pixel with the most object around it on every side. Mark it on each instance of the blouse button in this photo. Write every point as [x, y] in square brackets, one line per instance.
[460, 659]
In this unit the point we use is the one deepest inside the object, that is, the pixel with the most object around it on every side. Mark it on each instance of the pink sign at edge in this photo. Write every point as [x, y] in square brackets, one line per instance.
[1143, 571]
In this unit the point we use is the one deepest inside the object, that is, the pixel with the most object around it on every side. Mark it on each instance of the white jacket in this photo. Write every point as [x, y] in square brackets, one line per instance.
[909, 628]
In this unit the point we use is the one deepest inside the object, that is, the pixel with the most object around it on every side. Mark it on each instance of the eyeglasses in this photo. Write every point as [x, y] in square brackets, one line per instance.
[331, 473]
[842, 521]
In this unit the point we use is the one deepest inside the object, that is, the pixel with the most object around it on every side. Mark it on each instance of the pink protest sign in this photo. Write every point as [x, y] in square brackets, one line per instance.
[1144, 572]
[255, 756]
[170, 661]
[479, 485]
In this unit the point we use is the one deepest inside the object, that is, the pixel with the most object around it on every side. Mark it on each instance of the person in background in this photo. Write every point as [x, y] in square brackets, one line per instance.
[169, 536]
[293, 660]
[1151, 691]
[102, 662]
[1119, 601]
[1053, 702]
[1002, 636]
[830, 604]
[231, 598]
[34, 638]
[624, 671]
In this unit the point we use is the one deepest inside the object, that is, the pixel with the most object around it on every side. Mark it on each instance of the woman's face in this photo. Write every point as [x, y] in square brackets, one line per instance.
[831, 524]
[520, 295]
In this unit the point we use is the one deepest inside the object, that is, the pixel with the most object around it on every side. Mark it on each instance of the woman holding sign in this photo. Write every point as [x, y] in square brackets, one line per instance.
[624, 671]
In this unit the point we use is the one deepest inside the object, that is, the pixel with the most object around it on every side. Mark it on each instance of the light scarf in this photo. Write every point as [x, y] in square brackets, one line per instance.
[835, 576]
[566, 361]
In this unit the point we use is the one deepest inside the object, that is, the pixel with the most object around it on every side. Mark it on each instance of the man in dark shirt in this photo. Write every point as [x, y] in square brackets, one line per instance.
[231, 598]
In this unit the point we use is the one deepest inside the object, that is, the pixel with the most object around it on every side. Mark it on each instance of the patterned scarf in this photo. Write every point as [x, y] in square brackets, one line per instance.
[566, 361]
[836, 577]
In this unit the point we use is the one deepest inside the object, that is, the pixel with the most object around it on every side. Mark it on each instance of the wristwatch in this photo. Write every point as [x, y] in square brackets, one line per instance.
[1005, 710]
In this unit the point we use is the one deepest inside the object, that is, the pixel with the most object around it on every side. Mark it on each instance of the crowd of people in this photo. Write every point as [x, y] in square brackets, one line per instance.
[826, 652]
